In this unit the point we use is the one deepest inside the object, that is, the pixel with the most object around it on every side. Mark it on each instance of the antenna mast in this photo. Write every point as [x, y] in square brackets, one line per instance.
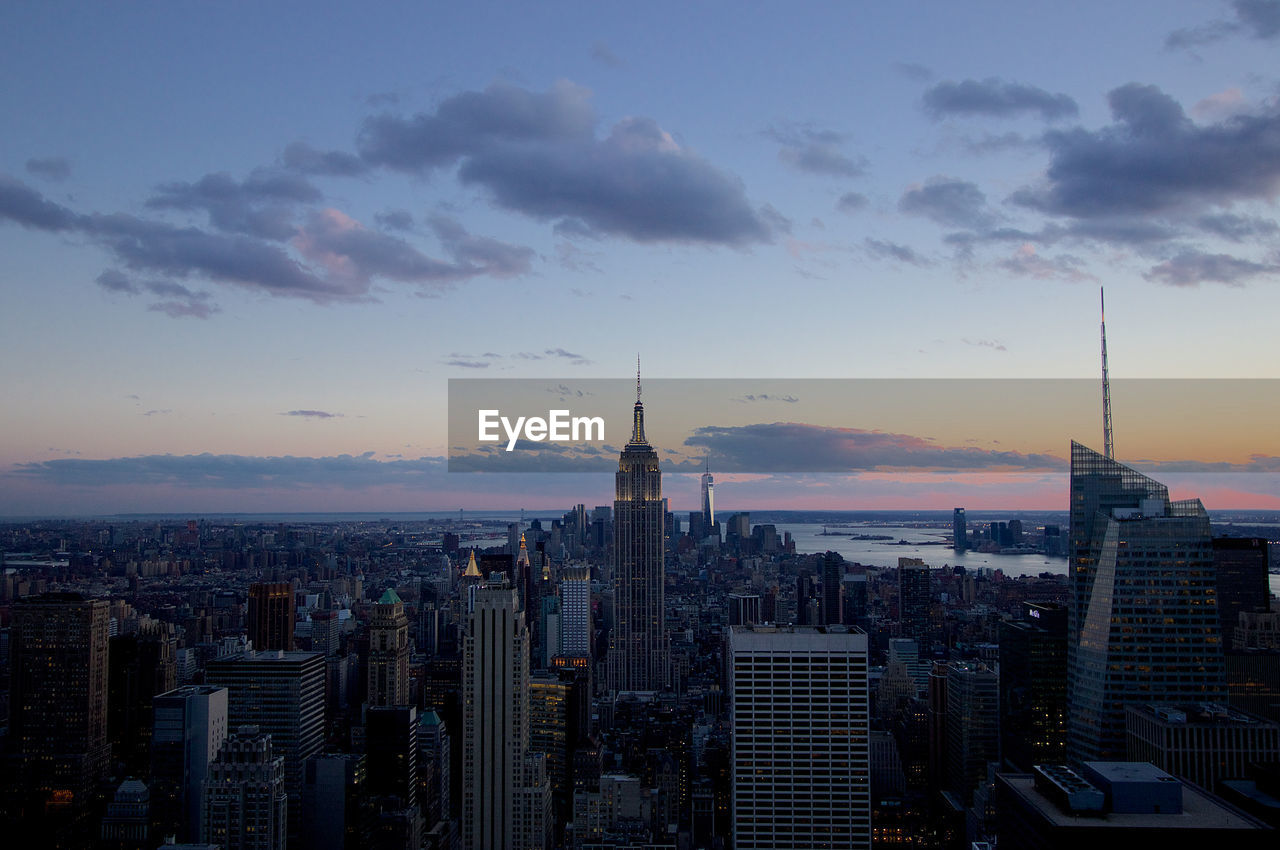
[1108, 443]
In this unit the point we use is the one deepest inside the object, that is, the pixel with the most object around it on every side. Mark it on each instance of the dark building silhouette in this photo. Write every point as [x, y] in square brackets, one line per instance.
[58, 715]
[271, 615]
[914, 600]
[1240, 564]
[832, 573]
[190, 726]
[1033, 687]
[245, 805]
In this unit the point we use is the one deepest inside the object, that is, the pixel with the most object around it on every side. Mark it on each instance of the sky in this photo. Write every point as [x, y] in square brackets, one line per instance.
[246, 246]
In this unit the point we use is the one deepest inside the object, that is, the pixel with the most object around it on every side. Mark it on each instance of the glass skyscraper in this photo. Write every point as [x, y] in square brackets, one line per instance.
[1143, 619]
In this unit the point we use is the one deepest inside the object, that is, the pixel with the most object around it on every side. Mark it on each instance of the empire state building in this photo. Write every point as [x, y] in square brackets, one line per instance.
[638, 646]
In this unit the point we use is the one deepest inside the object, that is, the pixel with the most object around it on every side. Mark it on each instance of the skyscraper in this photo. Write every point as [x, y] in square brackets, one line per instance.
[638, 647]
[801, 762]
[959, 531]
[58, 715]
[973, 720]
[500, 784]
[271, 615]
[832, 573]
[1143, 621]
[190, 725]
[914, 600]
[1033, 687]
[1240, 565]
[575, 612]
[245, 805]
[709, 500]
[389, 652]
[283, 694]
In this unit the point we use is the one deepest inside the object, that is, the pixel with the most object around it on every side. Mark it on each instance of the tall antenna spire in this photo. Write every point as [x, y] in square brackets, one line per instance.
[637, 422]
[637, 378]
[1108, 443]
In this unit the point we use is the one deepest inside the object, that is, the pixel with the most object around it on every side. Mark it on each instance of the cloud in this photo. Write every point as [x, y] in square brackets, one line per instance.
[913, 71]
[851, 202]
[949, 201]
[25, 206]
[394, 220]
[884, 250]
[1191, 268]
[50, 167]
[757, 397]
[179, 301]
[157, 412]
[496, 259]
[1154, 160]
[231, 471]
[1258, 19]
[538, 154]
[1238, 228]
[601, 53]
[798, 447]
[467, 364]
[261, 205]
[995, 97]
[304, 159]
[1026, 262]
[313, 414]
[994, 345]
[816, 151]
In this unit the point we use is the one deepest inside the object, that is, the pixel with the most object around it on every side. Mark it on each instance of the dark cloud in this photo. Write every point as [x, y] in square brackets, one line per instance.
[949, 201]
[231, 471]
[797, 447]
[602, 53]
[996, 97]
[914, 71]
[50, 167]
[468, 123]
[394, 220]
[1191, 268]
[852, 202]
[538, 154]
[1153, 159]
[481, 254]
[25, 206]
[261, 205]
[816, 151]
[884, 250]
[1238, 228]
[302, 158]
[312, 414]
[1258, 19]
[1116, 231]
[177, 300]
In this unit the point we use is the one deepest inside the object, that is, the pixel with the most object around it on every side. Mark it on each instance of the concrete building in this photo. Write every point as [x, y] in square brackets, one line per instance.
[801, 769]
[271, 615]
[189, 728]
[1204, 743]
[388, 652]
[245, 804]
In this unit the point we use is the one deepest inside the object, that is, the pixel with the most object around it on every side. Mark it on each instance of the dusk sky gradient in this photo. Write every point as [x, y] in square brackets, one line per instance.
[245, 246]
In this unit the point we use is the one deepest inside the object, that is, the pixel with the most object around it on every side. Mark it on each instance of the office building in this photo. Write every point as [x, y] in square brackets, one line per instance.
[1240, 565]
[638, 656]
[800, 755]
[58, 646]
[391, 748]
[708, 500]
[915, 600]
[282, 693]
[1033, 687]
[575, 612]
[973, 726]
[333, 802]
[1143, 624]
[1117, 806]
[388, 652]
[271, 615]
[1203, 743]
[832, 572]
[189, 728]
[959, 531]
[744, 609]
[505, 795]
[245, 805]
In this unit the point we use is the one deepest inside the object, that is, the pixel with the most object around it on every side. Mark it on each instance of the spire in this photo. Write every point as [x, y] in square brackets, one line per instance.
[637, 424]
[523, 556]
[472, 570]
[1108, 443]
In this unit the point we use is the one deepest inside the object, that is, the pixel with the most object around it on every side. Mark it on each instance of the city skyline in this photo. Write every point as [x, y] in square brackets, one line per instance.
[248, 249]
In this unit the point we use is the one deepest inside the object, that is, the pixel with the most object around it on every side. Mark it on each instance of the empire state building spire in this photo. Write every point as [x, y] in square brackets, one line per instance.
[637, 425]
